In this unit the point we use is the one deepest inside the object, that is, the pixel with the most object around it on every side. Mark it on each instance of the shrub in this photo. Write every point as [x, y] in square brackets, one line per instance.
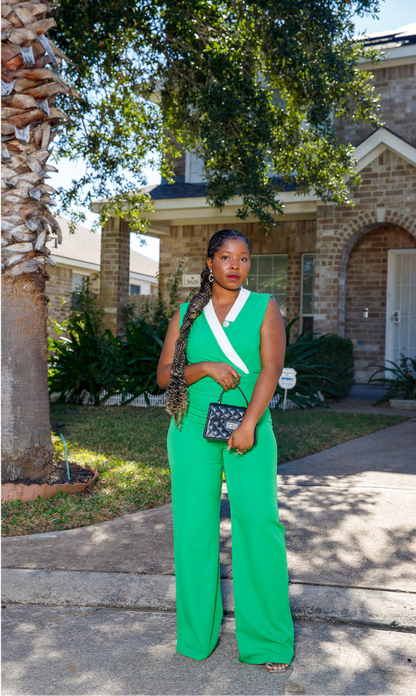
[86, 357]
[337, 354]
[141, 348]
[402, 384]
[301, 355]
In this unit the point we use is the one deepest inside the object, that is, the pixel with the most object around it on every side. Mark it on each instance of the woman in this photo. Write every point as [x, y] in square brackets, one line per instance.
[195, 370]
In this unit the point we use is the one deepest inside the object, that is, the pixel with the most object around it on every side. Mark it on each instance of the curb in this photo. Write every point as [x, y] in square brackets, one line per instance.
[379, 608]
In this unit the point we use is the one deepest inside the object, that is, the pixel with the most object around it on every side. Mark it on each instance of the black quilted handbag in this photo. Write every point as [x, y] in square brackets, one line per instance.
[223, 419]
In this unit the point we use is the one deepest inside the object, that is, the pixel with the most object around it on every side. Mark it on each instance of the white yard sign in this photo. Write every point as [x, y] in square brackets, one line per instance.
[287, 381]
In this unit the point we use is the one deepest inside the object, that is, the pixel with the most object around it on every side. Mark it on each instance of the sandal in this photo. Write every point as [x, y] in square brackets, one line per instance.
[269, 667]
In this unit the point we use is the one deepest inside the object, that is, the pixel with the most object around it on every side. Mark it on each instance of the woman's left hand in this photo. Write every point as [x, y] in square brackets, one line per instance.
[242, 438]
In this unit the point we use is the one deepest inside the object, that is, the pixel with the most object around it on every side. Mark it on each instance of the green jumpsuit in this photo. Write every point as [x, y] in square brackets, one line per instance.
[263, 621]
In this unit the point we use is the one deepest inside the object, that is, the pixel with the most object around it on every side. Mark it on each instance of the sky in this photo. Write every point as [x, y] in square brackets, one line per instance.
[70, 170]
[393, 15]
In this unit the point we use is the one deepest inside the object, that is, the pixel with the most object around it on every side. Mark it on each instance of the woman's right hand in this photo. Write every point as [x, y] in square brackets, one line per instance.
[224, 374]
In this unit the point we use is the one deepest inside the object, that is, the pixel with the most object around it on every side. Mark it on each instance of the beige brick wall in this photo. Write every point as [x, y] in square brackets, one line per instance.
[291, 238]
[366, 287]
[114, 273]
[397, 89]
[59, 287]
[387, 196]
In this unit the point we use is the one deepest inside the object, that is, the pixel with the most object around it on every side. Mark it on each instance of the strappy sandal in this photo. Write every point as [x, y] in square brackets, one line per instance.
[275, 671]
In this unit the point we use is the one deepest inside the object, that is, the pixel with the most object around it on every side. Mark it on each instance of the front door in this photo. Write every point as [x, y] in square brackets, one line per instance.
[401, 304]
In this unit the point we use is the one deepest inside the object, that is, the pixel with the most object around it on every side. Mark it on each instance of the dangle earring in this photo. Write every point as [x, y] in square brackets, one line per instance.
[246, 281]
[210, 277]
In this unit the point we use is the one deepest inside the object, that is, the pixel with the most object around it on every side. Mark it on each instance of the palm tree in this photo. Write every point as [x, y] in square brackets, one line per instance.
[29, 124]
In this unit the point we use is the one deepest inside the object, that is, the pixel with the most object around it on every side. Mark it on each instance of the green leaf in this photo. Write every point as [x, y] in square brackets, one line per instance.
[249, 86]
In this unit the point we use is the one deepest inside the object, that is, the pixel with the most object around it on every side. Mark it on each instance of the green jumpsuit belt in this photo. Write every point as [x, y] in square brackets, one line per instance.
[264, 626]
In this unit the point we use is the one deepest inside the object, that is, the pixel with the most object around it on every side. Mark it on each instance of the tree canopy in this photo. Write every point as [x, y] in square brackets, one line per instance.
[250, 86]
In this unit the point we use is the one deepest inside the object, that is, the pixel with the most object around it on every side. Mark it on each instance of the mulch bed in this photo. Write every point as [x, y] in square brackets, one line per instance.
[58, 474]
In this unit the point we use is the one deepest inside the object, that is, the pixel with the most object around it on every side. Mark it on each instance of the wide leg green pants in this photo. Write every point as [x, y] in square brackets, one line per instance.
[263, 620]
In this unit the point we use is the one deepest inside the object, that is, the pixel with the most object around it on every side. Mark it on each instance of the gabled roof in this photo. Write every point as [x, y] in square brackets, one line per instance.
[160, 192]
[84, 247]
[396, 47]
[379, 141]
[403, 36]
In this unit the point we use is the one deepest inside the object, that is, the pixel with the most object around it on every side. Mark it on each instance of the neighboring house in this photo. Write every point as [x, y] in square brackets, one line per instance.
[351, 271]
[78, 258]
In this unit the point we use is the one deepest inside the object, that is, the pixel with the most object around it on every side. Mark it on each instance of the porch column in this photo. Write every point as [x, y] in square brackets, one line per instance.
[326, 272]
[115, 271]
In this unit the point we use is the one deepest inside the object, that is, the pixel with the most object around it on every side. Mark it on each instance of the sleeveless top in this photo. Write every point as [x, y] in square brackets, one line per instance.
[244, 336]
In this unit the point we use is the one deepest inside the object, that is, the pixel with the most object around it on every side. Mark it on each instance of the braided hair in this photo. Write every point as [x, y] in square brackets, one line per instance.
[177, 391]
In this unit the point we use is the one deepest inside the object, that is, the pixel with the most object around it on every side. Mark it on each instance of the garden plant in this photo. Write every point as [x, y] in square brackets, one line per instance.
[87, 359]
[401, 384]
[337, 355]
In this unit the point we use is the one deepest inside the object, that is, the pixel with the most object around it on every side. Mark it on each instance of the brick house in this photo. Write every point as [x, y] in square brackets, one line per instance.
[351, 271]
[79, 258]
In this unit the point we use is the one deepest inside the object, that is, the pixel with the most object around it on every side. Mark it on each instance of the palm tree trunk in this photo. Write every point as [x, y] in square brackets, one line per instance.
[29, 124]
[26, 433]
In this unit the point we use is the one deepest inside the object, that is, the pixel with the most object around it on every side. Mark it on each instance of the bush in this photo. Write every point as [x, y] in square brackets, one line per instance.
[337, 354]
[403, 383]
[141, 348]
[87, 358]
[302, 356]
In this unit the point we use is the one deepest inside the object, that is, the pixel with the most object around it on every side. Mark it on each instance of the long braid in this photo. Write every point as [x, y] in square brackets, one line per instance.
[177, 391]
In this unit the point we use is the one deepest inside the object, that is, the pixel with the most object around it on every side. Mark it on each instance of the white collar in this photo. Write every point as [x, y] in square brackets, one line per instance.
[237, 306]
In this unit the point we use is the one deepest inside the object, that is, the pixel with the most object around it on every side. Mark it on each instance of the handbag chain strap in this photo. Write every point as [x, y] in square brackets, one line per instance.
[220, 399]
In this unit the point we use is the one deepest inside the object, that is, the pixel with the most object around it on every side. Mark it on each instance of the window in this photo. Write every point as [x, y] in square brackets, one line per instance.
[194, 169]
[307, 292]
[134, 289]
[78, 284]
[269, 274]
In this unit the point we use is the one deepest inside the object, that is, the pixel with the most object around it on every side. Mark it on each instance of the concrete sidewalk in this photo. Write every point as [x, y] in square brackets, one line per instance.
[350, 518]
[365, 406]
[58, 650]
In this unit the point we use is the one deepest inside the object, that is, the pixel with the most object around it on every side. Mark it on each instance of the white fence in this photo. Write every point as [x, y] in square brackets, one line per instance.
[140, 401]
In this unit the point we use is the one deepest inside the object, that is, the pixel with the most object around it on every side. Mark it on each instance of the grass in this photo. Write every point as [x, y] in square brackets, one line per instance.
[301, 433]
[128, 446]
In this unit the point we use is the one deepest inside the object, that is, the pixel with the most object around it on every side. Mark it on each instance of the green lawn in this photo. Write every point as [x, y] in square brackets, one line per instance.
[128, 446]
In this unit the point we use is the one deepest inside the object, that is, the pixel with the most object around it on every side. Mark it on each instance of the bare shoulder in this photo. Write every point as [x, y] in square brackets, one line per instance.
[173, 328]
[272, 314]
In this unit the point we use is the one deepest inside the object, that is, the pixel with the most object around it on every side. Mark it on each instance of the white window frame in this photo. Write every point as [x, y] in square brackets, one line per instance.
[85, 276]
[194, 177]
[263, 256]
[301, 313]
[390, 307]
[75, 293]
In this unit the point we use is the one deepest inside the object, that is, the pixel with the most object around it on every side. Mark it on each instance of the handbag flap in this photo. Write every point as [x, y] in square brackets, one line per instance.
[222, 420]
